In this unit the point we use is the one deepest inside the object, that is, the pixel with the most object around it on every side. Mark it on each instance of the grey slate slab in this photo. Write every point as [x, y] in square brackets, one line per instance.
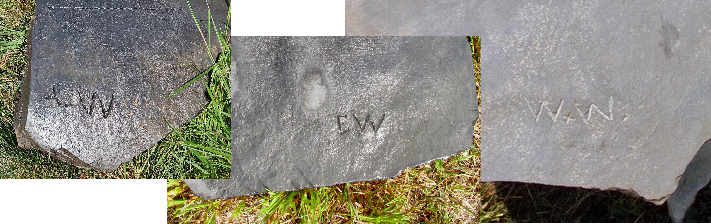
[100, 74]
[317, 111]
[695, 178]
[596, 94]
[413, 17]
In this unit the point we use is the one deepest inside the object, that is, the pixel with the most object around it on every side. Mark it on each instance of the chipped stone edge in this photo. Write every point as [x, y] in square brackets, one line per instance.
[199, 188]
[679, 201]
[695, 177]
[20, 118]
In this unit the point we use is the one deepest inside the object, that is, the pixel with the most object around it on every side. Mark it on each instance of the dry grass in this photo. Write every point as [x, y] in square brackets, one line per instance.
[520, 202]
[437, 192]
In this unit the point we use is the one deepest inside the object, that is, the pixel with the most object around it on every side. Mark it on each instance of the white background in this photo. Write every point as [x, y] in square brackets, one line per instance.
[288, 17]
[83, 201]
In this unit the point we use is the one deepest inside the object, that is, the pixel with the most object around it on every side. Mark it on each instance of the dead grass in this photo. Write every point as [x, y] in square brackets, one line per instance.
[437, 192]
[520, 202]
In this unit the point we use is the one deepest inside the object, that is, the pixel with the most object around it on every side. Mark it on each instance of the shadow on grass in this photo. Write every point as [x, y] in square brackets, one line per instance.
[522, 202]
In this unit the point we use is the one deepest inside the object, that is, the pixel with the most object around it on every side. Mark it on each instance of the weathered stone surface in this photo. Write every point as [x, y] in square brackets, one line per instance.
[695, 178]
[317, 111]
[595, 94]
[413, 17]
[101, 72]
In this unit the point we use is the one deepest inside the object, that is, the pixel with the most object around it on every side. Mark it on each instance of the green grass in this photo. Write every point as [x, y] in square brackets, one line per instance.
[442, 191]
[437, 192]
[199, 149]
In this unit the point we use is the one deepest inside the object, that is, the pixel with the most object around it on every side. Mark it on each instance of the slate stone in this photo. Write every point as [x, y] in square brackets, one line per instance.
[100, 73]
[413, 17]
[695, 178]
[318, 111]
[596, 94]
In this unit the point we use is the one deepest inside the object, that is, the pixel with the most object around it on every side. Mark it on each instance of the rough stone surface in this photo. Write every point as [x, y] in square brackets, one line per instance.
[100, 73]
[317, 111]
[413, 17]
[695, 178]
[595, 94]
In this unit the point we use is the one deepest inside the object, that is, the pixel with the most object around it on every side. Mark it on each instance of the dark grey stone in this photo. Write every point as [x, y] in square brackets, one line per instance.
[596, 94]
[317, 111]
[695, 178]
[413, 17]
[101, 72]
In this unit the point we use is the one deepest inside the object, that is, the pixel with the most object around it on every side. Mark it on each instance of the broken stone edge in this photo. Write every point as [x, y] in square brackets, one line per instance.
[22, 98]
[692, 166]
[696, 176]
[200, 187]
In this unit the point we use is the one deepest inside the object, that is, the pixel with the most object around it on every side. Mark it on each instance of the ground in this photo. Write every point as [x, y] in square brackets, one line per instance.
[519, 202]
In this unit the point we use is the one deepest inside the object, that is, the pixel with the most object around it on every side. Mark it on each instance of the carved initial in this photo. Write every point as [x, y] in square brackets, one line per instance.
[584, 116]
[341, 123]
[86, 102]
[368, 121]
[544, 104]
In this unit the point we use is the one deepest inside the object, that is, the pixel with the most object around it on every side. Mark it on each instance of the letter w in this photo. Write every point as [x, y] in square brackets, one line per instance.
[368, 121]
[544, 104]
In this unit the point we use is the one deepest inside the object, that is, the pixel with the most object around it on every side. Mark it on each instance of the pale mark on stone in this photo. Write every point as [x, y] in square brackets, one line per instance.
[315, 92]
